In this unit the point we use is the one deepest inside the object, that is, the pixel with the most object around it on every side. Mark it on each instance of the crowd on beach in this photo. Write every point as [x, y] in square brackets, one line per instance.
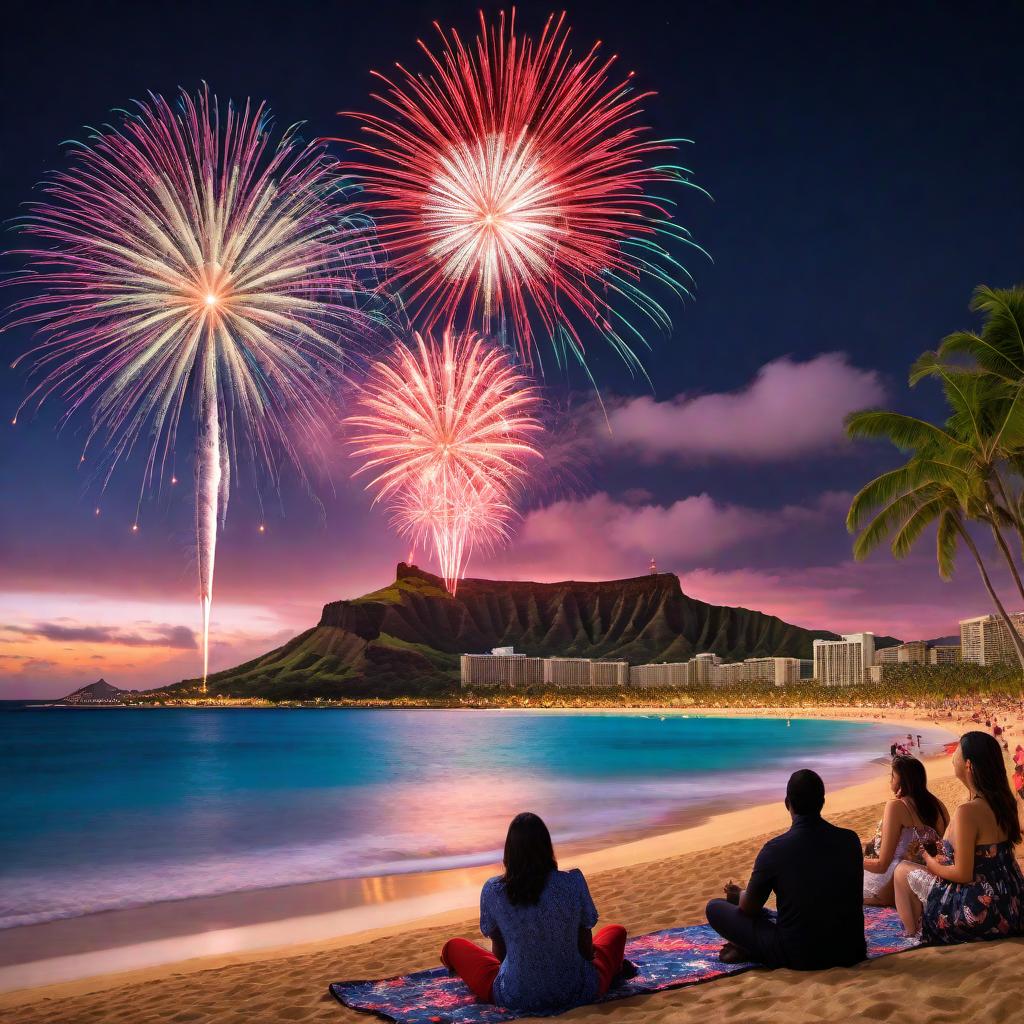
[952, 877]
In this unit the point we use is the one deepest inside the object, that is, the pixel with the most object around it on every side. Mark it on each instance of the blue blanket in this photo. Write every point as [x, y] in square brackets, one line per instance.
[667, 959]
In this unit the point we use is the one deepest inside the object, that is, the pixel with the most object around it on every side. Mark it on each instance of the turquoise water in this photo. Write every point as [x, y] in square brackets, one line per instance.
[115, 808]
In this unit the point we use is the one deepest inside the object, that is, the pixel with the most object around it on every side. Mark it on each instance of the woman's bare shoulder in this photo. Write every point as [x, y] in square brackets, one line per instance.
[897, 810]
[972, 810]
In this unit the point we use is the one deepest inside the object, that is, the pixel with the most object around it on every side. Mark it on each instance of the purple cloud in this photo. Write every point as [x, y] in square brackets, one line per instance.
[600, 537]
[789, 409]
[176, 637]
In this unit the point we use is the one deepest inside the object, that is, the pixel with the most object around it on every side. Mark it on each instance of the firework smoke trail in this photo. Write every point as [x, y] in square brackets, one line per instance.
[189, 264]
[515, 182]
[447, 432]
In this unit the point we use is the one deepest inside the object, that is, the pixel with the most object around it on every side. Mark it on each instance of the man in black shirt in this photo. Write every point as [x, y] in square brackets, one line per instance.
[816, 871]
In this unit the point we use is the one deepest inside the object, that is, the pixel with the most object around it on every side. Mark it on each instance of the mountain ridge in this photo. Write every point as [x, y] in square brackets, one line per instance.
[406, 638]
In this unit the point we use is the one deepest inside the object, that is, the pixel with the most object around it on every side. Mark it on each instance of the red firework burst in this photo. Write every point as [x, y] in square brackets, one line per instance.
[514, 183]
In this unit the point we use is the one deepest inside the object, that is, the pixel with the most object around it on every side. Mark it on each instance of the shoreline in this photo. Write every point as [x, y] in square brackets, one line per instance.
[156, 939]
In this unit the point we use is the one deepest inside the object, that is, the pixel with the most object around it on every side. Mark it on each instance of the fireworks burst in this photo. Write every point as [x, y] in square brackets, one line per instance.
[447, 433]
[188, 264]
[516, 182]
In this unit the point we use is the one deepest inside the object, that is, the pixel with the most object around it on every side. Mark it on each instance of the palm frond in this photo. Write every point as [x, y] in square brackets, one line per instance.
[905, 432]
[922, 517]
[947, 539]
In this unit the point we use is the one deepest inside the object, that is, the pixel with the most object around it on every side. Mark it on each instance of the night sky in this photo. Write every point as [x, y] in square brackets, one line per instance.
[865, 162]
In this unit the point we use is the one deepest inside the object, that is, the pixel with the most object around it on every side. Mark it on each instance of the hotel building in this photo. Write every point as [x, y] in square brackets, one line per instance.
[609, 673]
[844, 662]
[671, 673]
[501, 668]
[570, 672]
[944, 654]
[913, 653]
[986, 641]
[777, 671]
[704, 666]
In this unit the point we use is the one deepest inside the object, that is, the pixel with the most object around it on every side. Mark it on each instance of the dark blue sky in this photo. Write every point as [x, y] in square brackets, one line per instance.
[866, 167]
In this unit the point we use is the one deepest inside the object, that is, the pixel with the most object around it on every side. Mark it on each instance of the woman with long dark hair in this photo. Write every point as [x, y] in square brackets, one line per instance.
[539, 921]
[971, 887]
[914, 815]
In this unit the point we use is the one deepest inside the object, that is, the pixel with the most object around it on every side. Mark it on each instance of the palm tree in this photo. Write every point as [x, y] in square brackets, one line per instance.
[936, 485]
[996, 362]
[962, 456]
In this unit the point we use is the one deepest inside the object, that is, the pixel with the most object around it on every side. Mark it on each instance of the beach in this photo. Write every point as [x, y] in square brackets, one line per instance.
[646, 884]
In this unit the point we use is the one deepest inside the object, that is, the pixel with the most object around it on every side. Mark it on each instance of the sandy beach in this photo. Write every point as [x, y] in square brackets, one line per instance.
[647, 884]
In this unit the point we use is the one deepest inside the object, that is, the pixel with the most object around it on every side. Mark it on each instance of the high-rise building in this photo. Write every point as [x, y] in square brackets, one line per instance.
[729, 674]
[567, 671]
[609, 673]
[704, 666]
[944, 654]
[985, 640]
[776, 671]
[915, 652]
[844, 662]
[673, 673]
[505, 669]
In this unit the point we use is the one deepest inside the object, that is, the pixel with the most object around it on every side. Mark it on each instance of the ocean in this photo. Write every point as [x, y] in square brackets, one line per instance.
[112, 808]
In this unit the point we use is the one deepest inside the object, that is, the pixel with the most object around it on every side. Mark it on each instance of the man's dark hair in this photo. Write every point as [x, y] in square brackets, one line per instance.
[805, 792]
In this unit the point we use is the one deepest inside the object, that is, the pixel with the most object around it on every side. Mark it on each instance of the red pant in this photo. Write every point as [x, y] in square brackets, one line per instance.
[478, 968]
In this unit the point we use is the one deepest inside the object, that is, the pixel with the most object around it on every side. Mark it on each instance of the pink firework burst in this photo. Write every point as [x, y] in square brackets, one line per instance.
[447, 433]
[190, 266]
[515, 182]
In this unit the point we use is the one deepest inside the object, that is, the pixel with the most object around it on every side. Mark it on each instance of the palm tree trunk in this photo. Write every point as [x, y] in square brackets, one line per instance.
[1011, 509]
[998, 534]
[1015, 637]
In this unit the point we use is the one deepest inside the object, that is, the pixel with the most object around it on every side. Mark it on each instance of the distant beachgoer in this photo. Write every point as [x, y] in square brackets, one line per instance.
[1018, 781]
[914, 816]
[814, 870]
[1018, 755]
[539, 921]
[892, 750]
[918, 741]
[971, 886]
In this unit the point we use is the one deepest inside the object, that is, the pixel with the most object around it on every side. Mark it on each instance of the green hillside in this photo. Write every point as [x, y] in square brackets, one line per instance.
[406, 637]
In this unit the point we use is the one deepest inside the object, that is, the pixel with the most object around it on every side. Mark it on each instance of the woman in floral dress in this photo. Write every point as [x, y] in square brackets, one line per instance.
[972, 887]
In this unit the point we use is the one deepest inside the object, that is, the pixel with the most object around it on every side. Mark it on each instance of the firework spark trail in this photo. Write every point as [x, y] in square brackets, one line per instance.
[455, 516]
[211, 508]
[190, 263]
[515, 181]
[447, 432]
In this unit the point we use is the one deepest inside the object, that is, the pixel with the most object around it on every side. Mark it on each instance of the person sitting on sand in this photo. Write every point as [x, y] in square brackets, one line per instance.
[814, 870]
[971, 887]
[539, 921]
[914, 816]
[1018, 780]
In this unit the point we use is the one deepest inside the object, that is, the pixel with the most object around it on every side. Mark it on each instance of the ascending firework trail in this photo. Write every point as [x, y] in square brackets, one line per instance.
[447, 430]
[188, 262]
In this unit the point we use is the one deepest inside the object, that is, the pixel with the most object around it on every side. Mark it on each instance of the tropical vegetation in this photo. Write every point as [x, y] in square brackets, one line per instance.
[963, 476]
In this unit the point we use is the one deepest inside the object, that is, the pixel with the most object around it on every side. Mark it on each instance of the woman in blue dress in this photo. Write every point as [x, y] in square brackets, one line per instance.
[971, 887]
[539, 920]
